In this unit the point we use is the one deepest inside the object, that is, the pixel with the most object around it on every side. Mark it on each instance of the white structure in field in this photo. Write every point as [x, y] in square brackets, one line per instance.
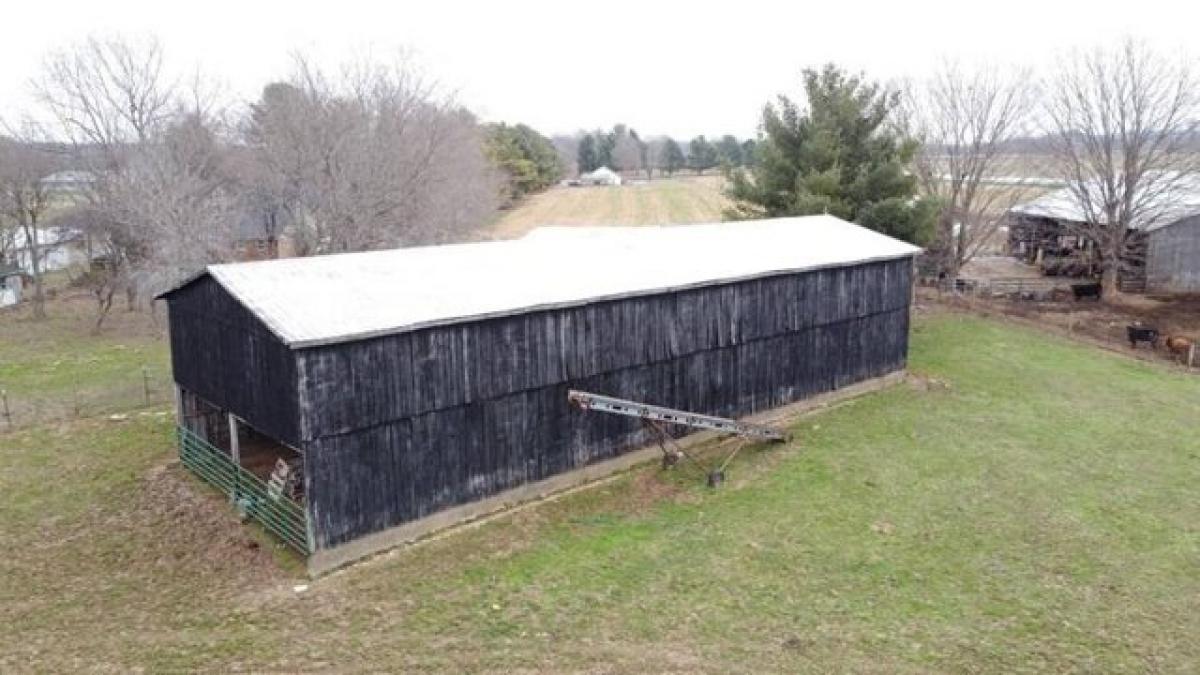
[10, 285]
[58, 248]
[601, 176]
[69, 183]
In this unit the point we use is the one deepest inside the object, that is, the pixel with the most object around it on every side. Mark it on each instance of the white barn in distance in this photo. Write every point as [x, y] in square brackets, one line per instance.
[601, 176]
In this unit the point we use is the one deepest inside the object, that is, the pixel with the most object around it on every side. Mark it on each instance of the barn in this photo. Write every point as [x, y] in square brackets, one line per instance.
[1164, 251]
[351, 402]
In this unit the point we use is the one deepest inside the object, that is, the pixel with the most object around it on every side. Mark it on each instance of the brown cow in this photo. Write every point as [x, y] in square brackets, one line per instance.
[1179, 347]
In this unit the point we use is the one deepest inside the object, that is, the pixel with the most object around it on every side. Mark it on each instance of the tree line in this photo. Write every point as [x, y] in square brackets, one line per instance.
[174, 176]
[932, 161]
[374, 154]
[623, 149]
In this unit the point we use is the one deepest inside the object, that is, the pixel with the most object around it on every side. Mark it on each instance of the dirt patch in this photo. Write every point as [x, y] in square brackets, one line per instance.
[920, 382]
[1099, 323]
[649, 487]
[999, 267]
[195, 525]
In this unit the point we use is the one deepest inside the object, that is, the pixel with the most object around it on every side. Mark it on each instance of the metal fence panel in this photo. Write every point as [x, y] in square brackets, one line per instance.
[279, 514]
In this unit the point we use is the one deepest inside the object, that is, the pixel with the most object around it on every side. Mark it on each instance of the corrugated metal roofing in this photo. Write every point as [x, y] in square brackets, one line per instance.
[335, 298]
[1172, 201]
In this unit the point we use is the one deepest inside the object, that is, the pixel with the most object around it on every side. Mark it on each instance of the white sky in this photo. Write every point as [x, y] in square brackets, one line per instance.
[682, 68]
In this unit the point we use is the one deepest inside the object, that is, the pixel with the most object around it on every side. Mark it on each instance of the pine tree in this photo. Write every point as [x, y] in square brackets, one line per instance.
[836, 155]
[672, 157]
[729, 150]
[586, 155]
[528, 159]
[701, 154]
[749, 147]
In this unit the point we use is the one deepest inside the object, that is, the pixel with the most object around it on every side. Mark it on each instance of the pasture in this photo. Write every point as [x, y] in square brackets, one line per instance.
[663, 201]
[1025, 503]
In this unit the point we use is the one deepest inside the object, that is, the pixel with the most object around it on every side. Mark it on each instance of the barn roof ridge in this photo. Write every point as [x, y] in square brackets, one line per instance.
[320, 300]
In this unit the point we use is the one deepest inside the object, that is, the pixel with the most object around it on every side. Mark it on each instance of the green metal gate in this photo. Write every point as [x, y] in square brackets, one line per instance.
[279, 514]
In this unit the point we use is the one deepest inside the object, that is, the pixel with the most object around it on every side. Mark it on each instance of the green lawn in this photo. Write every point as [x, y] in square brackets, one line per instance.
[53, 368]
[1037, 512]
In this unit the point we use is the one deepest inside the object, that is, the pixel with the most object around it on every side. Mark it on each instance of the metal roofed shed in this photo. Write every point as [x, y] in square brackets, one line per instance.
[1158, 207]
[1164, 250]
[411, 387]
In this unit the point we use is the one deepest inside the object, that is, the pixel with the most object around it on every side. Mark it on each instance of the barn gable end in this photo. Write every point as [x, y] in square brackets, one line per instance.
[1173, 257]
[225, 355]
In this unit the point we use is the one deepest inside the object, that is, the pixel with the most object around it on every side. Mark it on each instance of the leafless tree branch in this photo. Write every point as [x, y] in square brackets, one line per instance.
[1121, 120]
[965, 120]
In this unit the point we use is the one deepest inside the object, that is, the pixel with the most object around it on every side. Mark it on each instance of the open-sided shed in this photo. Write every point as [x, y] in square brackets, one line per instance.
[371, 395]
[1163, 253]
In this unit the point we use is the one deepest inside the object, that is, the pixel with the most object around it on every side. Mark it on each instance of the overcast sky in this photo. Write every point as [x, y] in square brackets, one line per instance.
[680, 68]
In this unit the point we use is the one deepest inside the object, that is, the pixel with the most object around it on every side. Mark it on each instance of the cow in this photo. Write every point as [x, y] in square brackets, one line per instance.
[1140, 333]
[1179, 346]
[1082, 291]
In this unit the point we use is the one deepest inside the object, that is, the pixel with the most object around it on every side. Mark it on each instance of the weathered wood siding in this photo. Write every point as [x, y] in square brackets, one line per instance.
[1173, 257]
[401, 426]
[224, 354]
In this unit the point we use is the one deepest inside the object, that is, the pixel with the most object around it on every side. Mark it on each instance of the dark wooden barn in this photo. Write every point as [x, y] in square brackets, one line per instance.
[342, 400]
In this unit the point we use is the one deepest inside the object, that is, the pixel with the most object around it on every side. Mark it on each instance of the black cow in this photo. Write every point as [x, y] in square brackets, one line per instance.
[1139, 333]
[1082, 291]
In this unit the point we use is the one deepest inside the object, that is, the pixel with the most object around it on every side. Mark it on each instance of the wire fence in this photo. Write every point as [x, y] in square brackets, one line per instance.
[132, 389]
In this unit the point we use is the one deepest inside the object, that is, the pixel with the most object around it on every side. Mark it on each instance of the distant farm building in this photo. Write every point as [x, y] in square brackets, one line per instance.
[10, 285]
[1165, 256]
[58, 248]
[69, 183]
[601, 176]
[351, 402]
[263, 231]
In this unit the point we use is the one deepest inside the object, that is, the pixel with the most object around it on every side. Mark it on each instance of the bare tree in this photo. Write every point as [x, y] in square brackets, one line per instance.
[8, 239]
[965, 121]
[178, 201]
[374, 157]
[1121, 121]
[651, 155]
[25, 200]
[159, 205]
[108, 97]
[107, 93]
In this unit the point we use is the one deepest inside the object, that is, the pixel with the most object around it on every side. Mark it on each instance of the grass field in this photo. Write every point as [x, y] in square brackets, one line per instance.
[57, 369]
[1027, 504]
[682, 199]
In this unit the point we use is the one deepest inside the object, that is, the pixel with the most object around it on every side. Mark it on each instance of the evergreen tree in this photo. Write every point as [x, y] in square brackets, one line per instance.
[606, 144]
[837, 155]
[701, 154]
[527, 158]
[672, 157]
[729, 150]
[749, 147]
[586, 157]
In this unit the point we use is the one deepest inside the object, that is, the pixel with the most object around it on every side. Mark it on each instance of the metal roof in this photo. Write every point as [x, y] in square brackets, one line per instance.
[336, 298]
[1173, 200]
